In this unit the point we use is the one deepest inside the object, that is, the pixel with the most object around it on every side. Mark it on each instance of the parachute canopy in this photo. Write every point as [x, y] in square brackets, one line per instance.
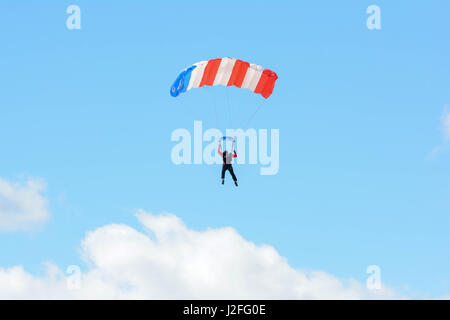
[226, 72]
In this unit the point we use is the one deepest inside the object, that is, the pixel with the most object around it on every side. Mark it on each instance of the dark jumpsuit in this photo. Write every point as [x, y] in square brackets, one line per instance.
[227, 163]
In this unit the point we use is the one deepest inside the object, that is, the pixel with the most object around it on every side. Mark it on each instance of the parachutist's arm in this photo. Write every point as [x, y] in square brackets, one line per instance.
[234, 151]
[219, 150]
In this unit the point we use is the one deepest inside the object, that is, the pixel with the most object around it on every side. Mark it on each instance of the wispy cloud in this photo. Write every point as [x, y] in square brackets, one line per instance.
[171, 261]
[22, 205]
[444, 128]
[445, 124]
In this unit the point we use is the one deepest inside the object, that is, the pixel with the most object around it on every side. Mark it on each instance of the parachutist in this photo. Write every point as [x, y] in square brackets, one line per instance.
[227, 160]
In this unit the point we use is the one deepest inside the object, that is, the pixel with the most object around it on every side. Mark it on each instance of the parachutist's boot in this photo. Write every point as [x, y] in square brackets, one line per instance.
[223, 181]
[236, 183]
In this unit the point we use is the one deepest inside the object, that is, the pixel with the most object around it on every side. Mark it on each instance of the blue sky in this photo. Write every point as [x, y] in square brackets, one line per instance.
[89, 112]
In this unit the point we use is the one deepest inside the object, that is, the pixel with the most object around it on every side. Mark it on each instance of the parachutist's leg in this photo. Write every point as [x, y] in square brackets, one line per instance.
[223, 172]
[232, 173]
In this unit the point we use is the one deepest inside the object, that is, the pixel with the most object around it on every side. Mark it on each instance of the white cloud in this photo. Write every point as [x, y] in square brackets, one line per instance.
[16, 283]
[170, 261]
[22, 206]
